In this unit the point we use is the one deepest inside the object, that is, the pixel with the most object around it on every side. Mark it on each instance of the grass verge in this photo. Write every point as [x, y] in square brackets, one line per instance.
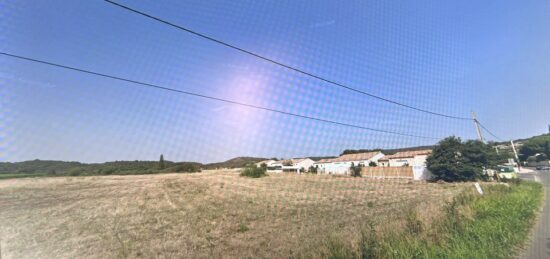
[494, 225]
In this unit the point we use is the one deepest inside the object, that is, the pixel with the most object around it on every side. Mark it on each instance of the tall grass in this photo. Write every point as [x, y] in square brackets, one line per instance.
[494, 225]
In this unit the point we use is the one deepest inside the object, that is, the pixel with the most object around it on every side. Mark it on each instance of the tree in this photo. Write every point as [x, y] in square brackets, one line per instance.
[444, 162]
[355, 171]
[161, 162]
[454, 160]
[541, 157]
[372, 163]
[313, 169]
[535, 145]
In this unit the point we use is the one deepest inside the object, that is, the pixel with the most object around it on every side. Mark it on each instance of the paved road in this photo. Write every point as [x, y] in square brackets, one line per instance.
[540, 247]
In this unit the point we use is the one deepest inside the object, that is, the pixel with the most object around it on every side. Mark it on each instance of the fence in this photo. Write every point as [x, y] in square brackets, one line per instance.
[388, 172]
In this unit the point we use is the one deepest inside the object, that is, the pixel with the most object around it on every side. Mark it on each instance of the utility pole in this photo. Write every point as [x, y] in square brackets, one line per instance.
[478, 128]
[516, 154]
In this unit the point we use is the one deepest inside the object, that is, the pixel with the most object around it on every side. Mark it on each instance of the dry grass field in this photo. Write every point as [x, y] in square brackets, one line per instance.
[203, 215]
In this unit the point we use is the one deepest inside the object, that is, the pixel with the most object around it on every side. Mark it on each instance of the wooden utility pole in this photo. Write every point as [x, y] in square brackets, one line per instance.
[516, 154]
[478, 128]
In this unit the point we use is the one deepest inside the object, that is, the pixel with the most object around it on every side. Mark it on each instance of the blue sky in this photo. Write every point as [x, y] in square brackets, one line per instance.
[491, 57]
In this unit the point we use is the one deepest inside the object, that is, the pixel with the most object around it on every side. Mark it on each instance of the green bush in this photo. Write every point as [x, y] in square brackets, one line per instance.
[253, 171]
[76, 171]
[355, 171]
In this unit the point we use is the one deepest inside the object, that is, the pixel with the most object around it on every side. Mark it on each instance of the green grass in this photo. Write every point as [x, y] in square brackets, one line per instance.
[495, 225]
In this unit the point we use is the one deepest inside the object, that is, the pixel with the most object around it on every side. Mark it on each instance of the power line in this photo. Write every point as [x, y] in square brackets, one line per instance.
[283, 65]
[488, 131]
[213, 98]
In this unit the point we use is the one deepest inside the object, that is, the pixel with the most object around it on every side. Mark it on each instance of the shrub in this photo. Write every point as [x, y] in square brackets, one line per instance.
[355, 170]
[184, 168]
[253, 171]
[312, 169]
[76, 171]
[372, 163]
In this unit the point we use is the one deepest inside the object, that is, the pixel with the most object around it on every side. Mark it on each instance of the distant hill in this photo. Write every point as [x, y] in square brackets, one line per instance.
[236, 162]
[38, 167]
[317, 158]
[386, 151]
[56, 168]
[521, 140]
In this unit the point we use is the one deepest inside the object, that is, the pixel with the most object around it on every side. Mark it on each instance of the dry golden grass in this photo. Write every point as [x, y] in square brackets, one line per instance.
[204, 215]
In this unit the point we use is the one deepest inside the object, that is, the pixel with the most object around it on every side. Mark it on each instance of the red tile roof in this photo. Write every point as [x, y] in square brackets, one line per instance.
[350, 157]
[407, 154]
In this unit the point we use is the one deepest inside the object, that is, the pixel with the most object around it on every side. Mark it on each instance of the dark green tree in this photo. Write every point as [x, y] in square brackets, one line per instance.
[535, 145]
[372, 163]
[454, 160]
[541, 157]
[161, 162]
[355, 171]
[445, 160]
[313, 169]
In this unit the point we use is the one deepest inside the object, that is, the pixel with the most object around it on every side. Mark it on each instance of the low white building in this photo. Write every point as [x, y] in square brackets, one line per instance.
[266, 162]
[275, 167]
[294, 165]
[406, 158]
[342, 164]
[415, 159]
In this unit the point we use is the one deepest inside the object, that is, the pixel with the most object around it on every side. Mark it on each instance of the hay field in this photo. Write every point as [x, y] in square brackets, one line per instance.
[203, 215]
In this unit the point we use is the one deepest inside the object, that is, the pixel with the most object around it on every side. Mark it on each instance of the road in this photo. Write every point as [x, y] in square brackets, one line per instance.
[540, 246]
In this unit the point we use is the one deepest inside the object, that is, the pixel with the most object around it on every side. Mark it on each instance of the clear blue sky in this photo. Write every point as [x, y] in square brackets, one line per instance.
[492, 57]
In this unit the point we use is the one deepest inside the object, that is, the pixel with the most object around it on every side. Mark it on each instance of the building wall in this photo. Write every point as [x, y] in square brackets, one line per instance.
[336, 167]
[402, 161]
[387, 172]
[411, 161]
[420, 160]
[306, 164]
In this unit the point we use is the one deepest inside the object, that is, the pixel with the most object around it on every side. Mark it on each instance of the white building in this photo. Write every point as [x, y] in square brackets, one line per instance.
[266, 162]
[342, 164]
[415, 159]
[294, 165]
[406, 158]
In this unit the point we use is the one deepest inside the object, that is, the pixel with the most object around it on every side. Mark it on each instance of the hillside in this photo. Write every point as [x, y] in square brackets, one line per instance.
[236, 162]
[56, 168]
